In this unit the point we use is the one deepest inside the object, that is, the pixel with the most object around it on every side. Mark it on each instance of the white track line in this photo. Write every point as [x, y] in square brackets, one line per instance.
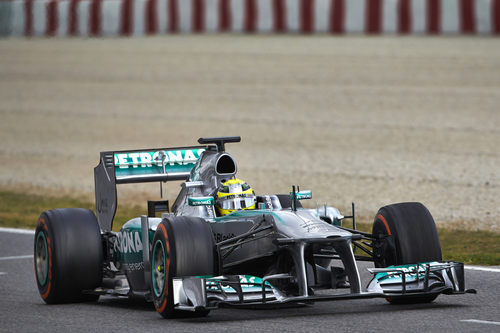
[488, 322]
[484, 269]
[17, 257]
[3, 273]
[17, 231]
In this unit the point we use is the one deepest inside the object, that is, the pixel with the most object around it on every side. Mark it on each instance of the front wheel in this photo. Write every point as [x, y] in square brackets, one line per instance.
[406, 234]
[182, 246]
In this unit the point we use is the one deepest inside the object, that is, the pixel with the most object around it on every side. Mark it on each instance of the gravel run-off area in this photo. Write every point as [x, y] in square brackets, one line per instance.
[374, 120]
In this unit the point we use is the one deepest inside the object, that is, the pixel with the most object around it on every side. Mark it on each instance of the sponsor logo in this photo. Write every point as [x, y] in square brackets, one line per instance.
[245, 279]
[128, 242]
[410, 270]
[210, 211]
[201, 201]
[157, 158]
[219, 237]
[248, 283]
[134, 266]
[302, 195]
[311, 226]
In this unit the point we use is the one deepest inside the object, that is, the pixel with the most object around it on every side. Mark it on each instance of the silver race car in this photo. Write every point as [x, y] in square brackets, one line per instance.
[220, 244]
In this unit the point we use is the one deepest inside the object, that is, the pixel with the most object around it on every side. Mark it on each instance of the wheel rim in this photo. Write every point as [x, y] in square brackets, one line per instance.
[158, 265]
[41, 258]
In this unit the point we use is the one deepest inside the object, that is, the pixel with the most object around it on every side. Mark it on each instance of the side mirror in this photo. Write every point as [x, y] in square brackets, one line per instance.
[201, 201]
[301, 195]
[330, 214]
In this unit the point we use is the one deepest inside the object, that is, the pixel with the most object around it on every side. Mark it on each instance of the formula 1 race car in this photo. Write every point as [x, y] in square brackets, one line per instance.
[262, 251]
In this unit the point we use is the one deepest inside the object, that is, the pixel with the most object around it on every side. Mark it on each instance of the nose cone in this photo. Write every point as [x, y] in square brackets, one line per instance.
[305, 224]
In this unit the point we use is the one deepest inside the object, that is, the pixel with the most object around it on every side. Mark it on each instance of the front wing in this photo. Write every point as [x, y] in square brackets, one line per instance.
[403, 282]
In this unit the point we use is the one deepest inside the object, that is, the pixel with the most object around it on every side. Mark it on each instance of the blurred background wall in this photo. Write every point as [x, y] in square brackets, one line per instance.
[148, 17]
[371, 101]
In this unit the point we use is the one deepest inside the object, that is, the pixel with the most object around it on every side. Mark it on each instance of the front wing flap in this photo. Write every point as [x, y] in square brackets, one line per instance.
[408, 281]
[418, 279]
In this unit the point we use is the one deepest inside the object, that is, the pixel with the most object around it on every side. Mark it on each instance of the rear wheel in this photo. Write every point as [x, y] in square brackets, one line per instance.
[68, 255]
[406, 234]
[182, 246]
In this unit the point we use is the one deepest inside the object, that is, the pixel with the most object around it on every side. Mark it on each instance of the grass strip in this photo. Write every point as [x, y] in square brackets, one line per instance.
[19, 210]
[470, 247]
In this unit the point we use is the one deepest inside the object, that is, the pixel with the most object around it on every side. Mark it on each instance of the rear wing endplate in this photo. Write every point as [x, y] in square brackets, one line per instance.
[138, 166]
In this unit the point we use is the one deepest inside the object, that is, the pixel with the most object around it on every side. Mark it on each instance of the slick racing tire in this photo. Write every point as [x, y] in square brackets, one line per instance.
[286, 202]
[407, 235]
[182, 246]
[68, 255]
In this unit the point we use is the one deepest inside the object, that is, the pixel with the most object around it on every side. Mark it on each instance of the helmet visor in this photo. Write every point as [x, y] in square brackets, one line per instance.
[236, 203]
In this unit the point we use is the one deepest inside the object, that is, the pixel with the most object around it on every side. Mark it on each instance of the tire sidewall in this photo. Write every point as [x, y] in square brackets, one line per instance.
[47, 289]
[164, 302]
[388, 250]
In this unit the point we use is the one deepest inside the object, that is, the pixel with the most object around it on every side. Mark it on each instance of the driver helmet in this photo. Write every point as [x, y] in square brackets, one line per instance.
[234, 194]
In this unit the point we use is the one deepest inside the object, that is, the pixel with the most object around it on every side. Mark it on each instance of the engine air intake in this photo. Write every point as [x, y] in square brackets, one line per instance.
[225, 165]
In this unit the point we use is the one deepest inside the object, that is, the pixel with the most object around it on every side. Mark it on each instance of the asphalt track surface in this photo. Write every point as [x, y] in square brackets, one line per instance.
[22, 309]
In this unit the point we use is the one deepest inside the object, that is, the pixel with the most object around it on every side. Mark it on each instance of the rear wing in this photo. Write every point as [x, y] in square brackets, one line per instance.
[138, 166]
